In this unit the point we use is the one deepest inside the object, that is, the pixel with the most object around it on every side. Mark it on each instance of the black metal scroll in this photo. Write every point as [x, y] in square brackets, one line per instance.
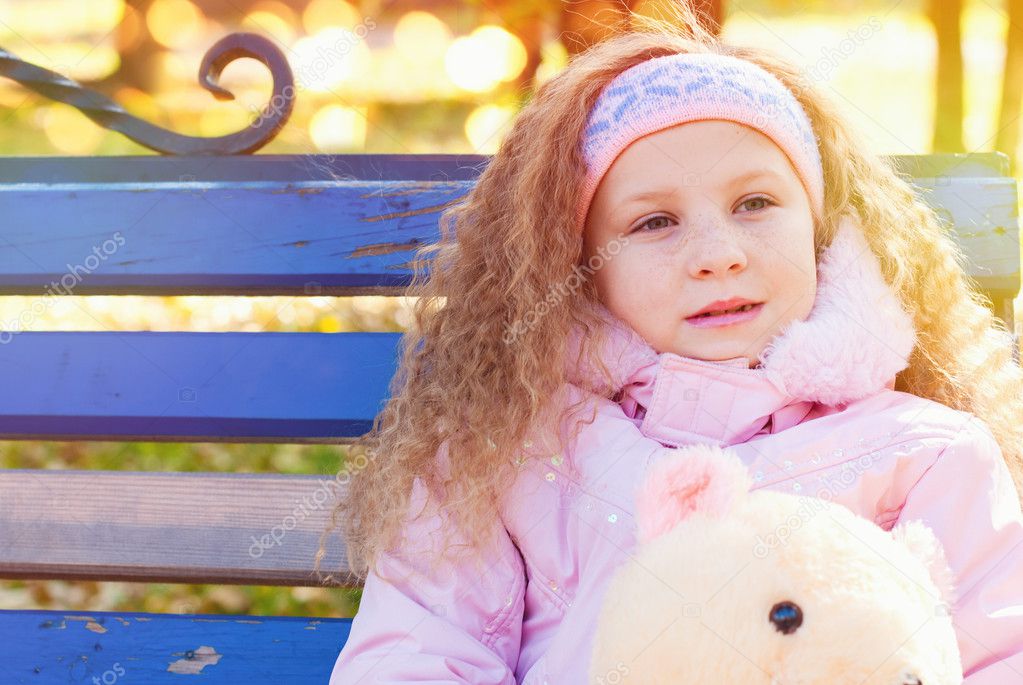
[109, 114]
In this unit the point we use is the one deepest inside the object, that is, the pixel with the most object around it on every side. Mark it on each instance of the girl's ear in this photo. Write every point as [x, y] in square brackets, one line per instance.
[698, 479]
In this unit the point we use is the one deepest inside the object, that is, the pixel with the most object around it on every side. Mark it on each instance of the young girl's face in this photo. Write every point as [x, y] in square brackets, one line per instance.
[721, 214]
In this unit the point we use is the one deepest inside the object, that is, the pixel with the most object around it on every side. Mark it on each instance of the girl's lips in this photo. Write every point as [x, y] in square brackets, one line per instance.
[719, 320]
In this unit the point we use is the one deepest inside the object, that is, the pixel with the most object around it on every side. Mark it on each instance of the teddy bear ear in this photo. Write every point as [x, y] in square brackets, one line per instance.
[921, 541]
[699, 478]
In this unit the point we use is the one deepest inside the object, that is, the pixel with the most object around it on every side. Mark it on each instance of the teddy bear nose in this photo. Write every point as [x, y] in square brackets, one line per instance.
[786, 617]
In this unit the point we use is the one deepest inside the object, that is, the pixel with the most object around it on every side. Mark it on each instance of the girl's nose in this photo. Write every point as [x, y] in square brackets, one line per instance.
[715, 256]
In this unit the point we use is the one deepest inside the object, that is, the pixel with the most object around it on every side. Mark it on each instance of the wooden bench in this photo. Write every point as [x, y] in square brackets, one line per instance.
[241, 225]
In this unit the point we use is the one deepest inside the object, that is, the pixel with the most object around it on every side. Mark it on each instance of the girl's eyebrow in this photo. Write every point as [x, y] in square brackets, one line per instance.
[673, 190]
[650, 195]
[756, 173]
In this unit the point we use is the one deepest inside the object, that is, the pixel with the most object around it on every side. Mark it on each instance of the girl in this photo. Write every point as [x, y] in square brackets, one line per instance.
[679, 241]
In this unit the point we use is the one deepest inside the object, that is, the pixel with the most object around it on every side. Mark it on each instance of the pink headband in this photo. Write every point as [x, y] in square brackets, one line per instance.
[666, 91]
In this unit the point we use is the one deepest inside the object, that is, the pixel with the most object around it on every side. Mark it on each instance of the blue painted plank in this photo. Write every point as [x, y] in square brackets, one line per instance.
[145, 385]
[327, 224]
[372, 167]
[57, 648]
[217, 237]
[294, 168]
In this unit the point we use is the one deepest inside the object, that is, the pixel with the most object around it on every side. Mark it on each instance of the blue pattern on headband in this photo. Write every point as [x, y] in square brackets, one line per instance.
[656, 84]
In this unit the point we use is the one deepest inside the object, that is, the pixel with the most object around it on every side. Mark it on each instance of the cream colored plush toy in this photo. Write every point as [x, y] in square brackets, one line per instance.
[766, 588]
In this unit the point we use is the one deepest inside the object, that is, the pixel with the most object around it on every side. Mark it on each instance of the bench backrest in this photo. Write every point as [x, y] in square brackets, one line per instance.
[253, 225]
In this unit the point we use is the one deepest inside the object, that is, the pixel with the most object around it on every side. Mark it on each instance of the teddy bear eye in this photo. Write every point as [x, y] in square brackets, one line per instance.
[910, 679]
[786, 617]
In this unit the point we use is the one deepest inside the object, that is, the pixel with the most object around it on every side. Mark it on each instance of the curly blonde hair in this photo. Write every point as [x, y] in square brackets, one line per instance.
[504, 250]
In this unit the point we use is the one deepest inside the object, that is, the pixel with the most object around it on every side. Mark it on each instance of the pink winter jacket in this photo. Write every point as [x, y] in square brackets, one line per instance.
[818, 417]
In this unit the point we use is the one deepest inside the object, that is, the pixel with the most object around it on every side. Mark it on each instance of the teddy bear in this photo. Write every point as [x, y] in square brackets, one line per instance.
[729, 585]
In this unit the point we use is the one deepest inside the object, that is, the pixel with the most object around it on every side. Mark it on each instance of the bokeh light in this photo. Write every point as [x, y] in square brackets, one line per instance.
[420, 36]
[325, 61]
[175, 23]
[41, 18]
[139, 103]
[321, 14]
[485, 126]
[416, 64]
[554, 59]
[69, 130]
[83, 61]
[273, 19]
[335, 128]
[509, 54]
[484, 58]
[221, 118]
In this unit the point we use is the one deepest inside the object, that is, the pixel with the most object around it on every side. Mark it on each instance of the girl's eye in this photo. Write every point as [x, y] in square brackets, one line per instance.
[653, 222]
[759, 198]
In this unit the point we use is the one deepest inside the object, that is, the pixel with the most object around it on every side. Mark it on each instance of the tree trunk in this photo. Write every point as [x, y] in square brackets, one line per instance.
[586, 22]
[713, 14]
[948, 112]
[1007, 139]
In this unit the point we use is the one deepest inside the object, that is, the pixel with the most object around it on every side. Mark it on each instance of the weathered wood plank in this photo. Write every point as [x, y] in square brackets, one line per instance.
[168, 527]
[982, 214]
[952, 164]
[55, 648]
[157, 386]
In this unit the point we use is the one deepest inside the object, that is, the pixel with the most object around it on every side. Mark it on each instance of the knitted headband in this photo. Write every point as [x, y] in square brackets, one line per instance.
[674, 89]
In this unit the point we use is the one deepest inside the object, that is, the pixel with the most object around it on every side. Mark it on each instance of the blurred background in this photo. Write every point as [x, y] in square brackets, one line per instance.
[430, 76]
